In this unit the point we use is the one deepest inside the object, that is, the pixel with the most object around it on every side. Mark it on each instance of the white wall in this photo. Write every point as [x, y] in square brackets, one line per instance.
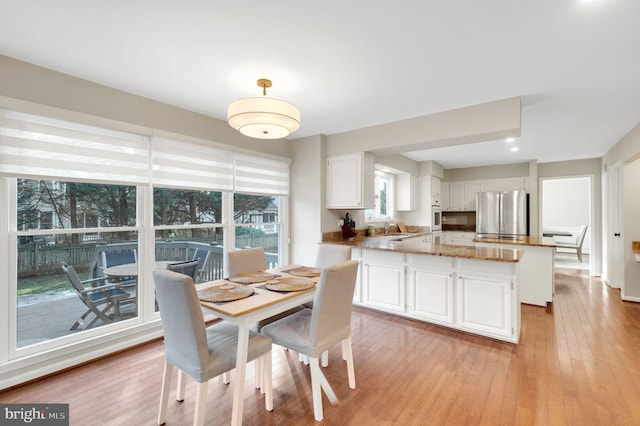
[631, 229]
[307, 198]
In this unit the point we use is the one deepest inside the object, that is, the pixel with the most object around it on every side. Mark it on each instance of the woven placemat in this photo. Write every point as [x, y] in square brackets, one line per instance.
[225, 293]
[251, 277]
[305, 271]
[289, 284]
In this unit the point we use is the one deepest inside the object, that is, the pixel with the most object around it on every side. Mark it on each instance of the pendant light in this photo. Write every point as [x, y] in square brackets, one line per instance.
[263, 117]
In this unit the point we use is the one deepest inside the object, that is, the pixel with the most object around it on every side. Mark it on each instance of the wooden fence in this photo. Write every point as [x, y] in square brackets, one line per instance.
[36, 259]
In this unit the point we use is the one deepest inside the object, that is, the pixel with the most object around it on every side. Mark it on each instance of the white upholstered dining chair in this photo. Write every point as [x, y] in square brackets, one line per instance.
[198, 351]
[313, 331]
[327, 255]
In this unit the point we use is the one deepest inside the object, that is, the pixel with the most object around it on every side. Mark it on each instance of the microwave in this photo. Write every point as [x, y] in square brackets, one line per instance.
[436, 218]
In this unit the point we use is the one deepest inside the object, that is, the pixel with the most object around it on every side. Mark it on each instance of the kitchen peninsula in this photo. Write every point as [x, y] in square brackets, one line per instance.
[467, 288]
[537, 279]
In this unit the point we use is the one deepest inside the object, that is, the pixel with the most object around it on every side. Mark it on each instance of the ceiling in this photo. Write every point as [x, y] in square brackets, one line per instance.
[354, 64]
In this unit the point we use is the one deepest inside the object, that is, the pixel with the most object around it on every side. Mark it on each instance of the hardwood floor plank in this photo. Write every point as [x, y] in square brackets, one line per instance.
[576, 363]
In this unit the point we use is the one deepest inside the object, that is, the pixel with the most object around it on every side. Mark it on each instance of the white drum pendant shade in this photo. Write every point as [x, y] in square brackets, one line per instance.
[263, 118]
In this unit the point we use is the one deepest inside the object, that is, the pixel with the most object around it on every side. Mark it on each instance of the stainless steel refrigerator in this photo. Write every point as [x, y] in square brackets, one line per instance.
[502, 214]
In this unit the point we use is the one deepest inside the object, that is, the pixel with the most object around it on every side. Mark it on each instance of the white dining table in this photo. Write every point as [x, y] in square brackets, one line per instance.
[245, 312]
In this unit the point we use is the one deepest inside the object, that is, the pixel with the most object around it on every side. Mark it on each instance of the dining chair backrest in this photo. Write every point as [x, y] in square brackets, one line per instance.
[188, 268]
[581, 234]
[114, 258]
[246, 260]
[328, 254]
[332, 304]
[182, 322]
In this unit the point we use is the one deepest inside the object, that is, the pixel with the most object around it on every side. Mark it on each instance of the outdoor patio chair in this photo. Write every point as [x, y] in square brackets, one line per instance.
[202, 255]
[100, 299]
[115, 258]
[189, 268]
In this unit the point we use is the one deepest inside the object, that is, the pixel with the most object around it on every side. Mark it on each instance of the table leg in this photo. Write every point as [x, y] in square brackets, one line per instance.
[241, 369]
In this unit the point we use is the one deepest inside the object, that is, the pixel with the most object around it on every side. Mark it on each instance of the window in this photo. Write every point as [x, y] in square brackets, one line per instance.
[188, 226]
[384, 196]
[69, 223]
[84, 195]
[257, 225]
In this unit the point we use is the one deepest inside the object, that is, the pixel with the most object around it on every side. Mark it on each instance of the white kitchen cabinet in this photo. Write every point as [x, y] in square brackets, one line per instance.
[350, 181]
[436, 191]
[406, 192]
[490, 185]
[458, 238]
[462, 196]
[485, 304]
[383, 280]
[445, 196]
[476, 296]
[471, 188]
[456, 196]
[514, 184]
[430, 282]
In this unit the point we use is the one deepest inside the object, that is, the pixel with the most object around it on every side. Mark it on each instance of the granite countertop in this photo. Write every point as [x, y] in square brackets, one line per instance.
[394, 243]
[520, 241]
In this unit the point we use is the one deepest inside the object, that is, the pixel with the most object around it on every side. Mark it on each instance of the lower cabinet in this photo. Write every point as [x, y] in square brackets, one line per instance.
[431, 295]
[383, 284]
[475, 296]
[485, 304]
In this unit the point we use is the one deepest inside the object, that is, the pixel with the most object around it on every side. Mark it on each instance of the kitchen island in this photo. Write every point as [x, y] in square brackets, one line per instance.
[537, 280]
[467, 288]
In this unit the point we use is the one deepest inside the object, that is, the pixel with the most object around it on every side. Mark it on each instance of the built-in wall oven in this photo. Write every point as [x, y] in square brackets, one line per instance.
[436, 218]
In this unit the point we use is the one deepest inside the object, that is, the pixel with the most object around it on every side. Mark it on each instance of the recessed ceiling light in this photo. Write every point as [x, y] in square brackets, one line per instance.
[509, 140]
[514, 149]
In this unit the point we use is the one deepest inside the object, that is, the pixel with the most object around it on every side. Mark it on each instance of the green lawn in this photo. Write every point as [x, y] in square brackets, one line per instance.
[42, 284]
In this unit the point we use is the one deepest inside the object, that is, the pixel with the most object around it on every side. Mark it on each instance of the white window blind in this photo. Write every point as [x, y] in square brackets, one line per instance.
[259, 175]
[179, 164]
[41, 147]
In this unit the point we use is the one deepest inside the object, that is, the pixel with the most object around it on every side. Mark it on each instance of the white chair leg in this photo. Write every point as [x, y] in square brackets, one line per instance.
[201, 402]
[315, 389]
[325, 358]
[257, 364]
[347, 355]
[182, 384]
[267, 381]
[164, 392]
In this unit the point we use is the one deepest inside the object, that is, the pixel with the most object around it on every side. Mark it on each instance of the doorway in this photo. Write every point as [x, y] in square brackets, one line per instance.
[565, 206]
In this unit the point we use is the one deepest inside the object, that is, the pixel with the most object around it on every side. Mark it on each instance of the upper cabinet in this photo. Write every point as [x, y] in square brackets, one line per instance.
[406, 192]
[350, 181]
[436, 191]
[461, 196]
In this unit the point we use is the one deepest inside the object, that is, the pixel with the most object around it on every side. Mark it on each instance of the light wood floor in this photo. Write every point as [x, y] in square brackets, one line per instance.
[578, 363]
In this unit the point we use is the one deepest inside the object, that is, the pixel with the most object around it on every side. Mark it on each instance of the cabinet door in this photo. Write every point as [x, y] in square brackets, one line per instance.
[384, 287]
[456, 199]
[436, 191]
[445, 195]
[485, 305]
[470, 191]
[350, 181]
[513, 184]
[431, 295]
[406, 192]
[488, 185]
